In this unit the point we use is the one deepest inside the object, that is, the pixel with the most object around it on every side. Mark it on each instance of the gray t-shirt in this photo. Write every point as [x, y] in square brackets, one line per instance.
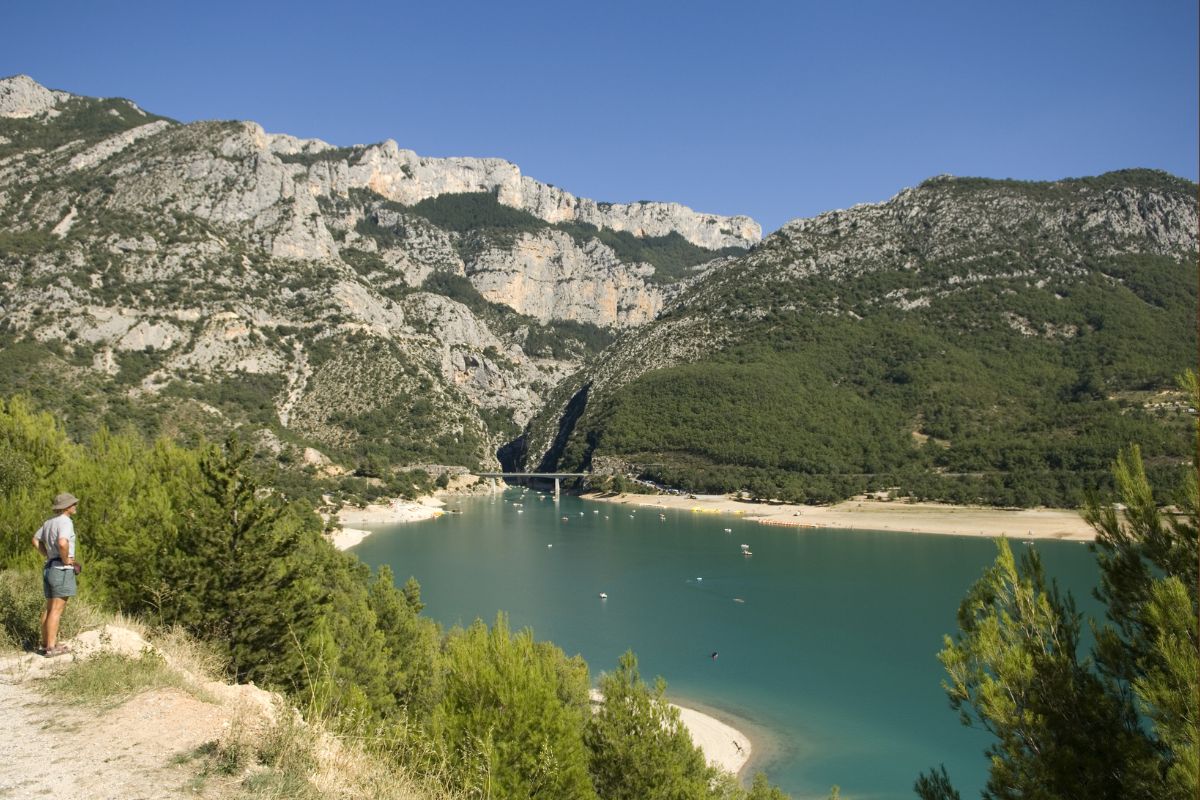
[53, 529]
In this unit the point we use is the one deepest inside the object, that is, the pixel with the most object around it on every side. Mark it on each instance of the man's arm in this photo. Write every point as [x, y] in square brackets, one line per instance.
[64, 550]
[37, 545]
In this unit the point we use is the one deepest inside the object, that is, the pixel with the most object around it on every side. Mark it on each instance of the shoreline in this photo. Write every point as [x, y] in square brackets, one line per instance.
[725, 746]
[722, 744]
[760, 745]
[392, 513]
[880, 515]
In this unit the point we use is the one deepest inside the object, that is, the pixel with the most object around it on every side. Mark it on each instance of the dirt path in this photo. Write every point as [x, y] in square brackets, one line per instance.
[53, 749]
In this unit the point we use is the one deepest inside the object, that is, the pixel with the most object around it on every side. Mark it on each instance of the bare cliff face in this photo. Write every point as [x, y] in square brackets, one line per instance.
[255, 174]
[549, 276]
[365, 300]
[21, 97]
[403, 176]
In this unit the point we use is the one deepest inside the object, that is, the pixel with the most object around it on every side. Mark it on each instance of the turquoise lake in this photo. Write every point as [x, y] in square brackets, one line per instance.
[829, 660]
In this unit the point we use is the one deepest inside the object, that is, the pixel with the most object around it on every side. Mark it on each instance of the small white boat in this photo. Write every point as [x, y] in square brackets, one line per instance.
[738, 600]
[698, 579]
[549, 545]
[662, 516]
[595, 511]
[566, 519]
[745, 547]
[729, 530]
[604, 595]
[520, 511]
[581, 513]
[747, 553]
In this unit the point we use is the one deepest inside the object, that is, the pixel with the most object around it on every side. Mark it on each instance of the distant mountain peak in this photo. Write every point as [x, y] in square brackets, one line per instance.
[21, 96]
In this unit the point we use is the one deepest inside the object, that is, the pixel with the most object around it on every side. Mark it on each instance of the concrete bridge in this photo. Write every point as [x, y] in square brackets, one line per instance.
[556, 476]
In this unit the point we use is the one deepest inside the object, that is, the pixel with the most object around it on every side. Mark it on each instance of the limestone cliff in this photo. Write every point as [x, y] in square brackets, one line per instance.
[405, 177]
[21, 96]
[220, 276]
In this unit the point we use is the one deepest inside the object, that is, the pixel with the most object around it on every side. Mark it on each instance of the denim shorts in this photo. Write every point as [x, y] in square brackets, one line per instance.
[58, 582]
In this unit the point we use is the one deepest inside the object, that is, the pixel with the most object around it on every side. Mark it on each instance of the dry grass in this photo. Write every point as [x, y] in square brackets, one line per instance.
[295, 760]
[188, 654]
[107, 679]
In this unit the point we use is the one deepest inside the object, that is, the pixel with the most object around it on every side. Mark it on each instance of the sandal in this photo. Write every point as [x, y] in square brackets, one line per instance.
[57, 650]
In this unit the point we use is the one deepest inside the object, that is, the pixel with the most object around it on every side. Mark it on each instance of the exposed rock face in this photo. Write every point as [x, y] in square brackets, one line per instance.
[179, 258]
[1122, 219]
[549, 277]
[405, 177]
[546, 276]
[21, 96]
[115, 144]
[283, 207]
[398, 175]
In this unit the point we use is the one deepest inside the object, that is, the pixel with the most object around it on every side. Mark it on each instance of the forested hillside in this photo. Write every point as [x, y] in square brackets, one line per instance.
[969, 340]
[195, 538]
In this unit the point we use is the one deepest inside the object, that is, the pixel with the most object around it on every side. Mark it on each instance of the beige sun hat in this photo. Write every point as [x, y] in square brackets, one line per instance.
[64, 501]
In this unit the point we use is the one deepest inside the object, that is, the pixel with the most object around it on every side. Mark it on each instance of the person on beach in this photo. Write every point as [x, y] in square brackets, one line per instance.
[55, 540]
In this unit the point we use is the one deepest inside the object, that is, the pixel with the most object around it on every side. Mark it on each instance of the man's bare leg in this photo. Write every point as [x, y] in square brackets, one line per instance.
[45, 616]
[53, 617]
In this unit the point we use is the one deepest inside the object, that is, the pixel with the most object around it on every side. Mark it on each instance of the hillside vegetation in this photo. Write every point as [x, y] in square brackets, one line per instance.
[969, 341]
[194, 538]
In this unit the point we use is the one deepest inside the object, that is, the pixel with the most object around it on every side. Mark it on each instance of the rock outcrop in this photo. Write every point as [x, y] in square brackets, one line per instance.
[21, 96]
[549, 277]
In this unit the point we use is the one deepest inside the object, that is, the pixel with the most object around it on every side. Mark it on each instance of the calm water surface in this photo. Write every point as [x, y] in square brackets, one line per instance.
[829, 659]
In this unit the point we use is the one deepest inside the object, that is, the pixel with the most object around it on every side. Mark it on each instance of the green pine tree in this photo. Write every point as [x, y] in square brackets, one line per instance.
[638, 747]
[510, 722]
[412, 642]
[1072, 728]
[241, 581]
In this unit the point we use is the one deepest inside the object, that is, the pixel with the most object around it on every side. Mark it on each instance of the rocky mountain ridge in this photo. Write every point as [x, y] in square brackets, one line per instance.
[222, 275]
[916, 308]
[193, 278]
[407, 178]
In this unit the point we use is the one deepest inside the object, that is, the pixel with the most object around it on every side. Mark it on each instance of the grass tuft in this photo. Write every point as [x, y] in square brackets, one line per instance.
[107, 679]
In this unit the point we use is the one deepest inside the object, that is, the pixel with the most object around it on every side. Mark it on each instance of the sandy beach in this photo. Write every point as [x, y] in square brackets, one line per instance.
[722, 744]
[882, 515]
[395, 512]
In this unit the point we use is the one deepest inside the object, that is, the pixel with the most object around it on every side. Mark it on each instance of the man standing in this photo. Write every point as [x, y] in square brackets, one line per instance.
[55, 540]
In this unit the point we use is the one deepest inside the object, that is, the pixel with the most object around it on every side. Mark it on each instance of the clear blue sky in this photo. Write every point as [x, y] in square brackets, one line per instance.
[772, 109]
